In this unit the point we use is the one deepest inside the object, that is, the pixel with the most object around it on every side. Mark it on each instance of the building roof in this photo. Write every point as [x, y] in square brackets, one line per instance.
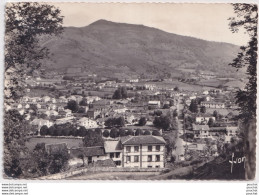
[210, 102]
[112, 146]
[144, 139]
[201, 127]
[87, 151]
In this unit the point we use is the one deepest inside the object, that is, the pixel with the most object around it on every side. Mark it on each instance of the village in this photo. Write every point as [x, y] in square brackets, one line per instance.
[144, 123]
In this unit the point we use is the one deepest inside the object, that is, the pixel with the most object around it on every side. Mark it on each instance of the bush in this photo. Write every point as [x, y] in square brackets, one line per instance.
[156, 133]
[147, 132]
[106, 133]
[114, 133]
[122, 132]
[138, 132]
[44, 130]
[130, 132]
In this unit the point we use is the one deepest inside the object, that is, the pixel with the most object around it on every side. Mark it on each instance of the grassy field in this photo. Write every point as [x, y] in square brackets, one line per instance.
[41, 92]
[72, 142]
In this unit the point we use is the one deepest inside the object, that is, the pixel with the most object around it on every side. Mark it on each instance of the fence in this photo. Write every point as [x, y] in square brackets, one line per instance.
[79, 171]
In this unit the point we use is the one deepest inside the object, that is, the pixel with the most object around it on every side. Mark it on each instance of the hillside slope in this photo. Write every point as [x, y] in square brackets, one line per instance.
[105, 48]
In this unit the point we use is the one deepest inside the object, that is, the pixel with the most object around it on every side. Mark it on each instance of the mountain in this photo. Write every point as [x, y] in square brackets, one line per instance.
[109, 48]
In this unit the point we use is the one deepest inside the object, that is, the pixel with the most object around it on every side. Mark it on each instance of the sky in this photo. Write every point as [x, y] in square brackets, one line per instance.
[204, 21]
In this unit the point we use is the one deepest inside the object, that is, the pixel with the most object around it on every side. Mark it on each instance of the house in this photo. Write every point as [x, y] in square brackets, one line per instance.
[51, 113]
[150, 86]
[204, 119]
[210, 104]
[93, 113]
[205, 92]
[113, 150]
[88, 154]
[41, 122]
[232, 131]
[46, 99]
[154, 104]
[87, 123]
[201, 131]
[143, 151]
[129, 118]
[64, 120]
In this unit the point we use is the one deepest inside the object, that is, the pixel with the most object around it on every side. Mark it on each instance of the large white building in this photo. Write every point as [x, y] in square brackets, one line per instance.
[143, 151]
[87, 123]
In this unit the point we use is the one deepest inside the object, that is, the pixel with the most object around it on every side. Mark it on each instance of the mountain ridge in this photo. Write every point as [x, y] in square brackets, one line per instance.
[109, 47]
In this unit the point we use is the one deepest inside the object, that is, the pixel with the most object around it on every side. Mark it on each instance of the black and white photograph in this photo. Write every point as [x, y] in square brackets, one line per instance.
[130, 91]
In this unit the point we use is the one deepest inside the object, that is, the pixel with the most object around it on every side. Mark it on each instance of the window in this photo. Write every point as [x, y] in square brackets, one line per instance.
[157, 158]
[136, 148]
[127, 158]
[149, 166]
[111, 155]
[149, 148]
[158, 166]
[149, 158]
[128, 148]
[136, 158]
[117, 155]
[157, 148]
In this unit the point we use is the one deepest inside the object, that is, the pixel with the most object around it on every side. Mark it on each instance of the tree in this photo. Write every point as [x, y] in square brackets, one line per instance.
[24, 25]
[203, 109]
[166, 106]
[58, 160]
[211, 122]
[122, 132]
[138, 132]
[41, 159]
[83, 102]
[147, 132]
[106, 133]
[114, 133]
[72, 105]
[120, 121]
[98, 131]
[193, 106]
[44, 130]
[81, 110]
[14, 142]
[130, 132]
[142, 121]
[158, 112]
[124, 92]
[216, 114]
[163, 122]
[156, 133]
[176, 88]
[170, 144]
[92, 139]
[175, 113]
[117, 94]
[247, 18]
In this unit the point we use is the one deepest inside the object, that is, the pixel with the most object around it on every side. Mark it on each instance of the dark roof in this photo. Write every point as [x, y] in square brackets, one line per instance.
[87, 151]
[200, 127]
[143, 139]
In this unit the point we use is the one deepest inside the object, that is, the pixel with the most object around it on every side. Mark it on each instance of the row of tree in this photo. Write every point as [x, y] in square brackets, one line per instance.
[69, 130]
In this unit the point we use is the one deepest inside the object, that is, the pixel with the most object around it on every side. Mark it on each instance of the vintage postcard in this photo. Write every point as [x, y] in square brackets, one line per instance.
[130, 91]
